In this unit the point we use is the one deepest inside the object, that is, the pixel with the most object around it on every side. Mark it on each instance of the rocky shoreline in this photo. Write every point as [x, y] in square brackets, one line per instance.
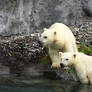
[20, 57]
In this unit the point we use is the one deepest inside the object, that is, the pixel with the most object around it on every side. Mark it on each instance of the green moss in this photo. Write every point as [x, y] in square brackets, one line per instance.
[84, 48]
[68, 70]
[45, 60]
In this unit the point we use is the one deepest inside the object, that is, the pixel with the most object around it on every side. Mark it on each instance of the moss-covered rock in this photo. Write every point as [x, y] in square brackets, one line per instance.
[82, 47]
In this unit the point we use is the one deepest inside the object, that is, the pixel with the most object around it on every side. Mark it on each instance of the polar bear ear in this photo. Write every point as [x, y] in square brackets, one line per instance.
[74, 55]
[45, 29]
[54, 33]
[60, 53]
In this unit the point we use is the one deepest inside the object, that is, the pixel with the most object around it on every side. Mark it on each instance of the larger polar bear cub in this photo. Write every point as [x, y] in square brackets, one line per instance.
[57, 38]
[81, 63]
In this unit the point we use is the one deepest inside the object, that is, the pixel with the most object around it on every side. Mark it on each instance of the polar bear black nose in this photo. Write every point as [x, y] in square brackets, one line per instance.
[62, 65]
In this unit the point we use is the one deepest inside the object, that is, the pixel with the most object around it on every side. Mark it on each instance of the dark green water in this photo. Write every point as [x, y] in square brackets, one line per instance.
[44, 85]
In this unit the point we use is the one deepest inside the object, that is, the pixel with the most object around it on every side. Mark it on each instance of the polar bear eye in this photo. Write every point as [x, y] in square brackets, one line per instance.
[66, 59]
[45, 37]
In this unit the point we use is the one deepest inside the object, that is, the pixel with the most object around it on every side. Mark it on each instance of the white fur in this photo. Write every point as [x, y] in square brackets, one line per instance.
[82, 64]
[63, 40]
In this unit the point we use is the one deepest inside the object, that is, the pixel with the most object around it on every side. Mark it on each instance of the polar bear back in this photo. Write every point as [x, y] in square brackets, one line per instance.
[64, 36]
[62, 31]
[85, 59]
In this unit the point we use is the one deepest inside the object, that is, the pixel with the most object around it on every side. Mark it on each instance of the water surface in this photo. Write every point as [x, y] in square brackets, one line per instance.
[45, 85]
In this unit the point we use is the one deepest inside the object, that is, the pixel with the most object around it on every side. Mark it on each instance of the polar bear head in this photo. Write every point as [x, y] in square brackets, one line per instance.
[48, 37]
[67, 58]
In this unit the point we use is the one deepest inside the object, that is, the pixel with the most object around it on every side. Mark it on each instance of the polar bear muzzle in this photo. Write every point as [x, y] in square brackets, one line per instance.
[62, 65]
[55, 33]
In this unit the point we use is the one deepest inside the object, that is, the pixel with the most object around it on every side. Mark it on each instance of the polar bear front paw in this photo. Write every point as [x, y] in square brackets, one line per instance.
[55, 65]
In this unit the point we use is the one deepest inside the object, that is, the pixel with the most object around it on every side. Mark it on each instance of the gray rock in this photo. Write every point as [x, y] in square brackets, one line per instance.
[29, 16]
[87, 7]
[83, 33]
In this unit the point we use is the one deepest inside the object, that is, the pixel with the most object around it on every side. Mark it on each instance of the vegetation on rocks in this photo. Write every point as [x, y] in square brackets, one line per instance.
[82, 47]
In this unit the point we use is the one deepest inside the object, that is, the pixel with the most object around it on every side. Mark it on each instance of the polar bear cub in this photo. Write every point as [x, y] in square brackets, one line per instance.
[82, 64]
[58, 38]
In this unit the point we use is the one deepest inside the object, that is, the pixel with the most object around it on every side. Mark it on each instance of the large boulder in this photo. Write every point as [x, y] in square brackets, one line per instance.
[29, 16]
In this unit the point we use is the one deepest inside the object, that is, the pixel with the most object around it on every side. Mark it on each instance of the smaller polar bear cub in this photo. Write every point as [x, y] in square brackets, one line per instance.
[81, 63]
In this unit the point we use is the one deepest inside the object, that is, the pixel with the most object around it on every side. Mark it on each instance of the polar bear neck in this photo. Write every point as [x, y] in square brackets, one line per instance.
[74, 73]
[76, 67]
[57, 45]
